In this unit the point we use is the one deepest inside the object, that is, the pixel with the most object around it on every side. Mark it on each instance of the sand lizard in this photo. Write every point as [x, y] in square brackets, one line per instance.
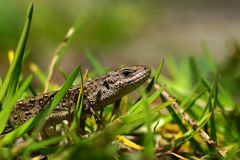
[98, 93]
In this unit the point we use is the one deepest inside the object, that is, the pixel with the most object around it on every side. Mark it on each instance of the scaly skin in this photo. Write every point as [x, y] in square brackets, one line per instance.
[98, 93]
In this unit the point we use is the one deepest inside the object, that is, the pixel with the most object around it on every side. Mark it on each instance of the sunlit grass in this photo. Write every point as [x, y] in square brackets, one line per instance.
[153, 125]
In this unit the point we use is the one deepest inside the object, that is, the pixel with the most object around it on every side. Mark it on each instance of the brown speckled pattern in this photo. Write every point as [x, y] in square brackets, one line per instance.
[98, 93]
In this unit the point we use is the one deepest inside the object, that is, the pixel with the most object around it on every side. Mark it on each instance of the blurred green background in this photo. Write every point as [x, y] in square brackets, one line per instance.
[121, 32]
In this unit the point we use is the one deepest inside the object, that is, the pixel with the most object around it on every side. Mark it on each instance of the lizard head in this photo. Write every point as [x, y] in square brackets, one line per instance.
[108, 88]
[128, 78]
[120, 82]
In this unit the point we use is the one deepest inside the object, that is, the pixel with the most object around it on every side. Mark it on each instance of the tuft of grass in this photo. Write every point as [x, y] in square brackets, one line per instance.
[41, 117]
[11, 82]
[153, 127]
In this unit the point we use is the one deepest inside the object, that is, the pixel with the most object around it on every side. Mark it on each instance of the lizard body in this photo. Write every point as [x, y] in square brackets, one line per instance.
[98, 93]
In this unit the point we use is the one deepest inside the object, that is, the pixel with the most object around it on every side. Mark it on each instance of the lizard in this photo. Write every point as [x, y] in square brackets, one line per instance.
[97, 94]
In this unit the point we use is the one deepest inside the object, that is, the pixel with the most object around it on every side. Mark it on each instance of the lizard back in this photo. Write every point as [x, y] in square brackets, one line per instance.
[98, 93]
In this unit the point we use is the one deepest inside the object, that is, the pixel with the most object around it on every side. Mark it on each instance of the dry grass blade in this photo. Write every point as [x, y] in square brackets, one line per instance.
[56, 57]
[194, 125]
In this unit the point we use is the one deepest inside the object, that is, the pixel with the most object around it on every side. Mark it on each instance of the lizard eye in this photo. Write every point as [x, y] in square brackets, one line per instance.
[126, 73]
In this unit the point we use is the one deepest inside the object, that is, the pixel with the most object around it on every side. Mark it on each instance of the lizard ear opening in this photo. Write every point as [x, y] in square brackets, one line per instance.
[105, 83]
[99, 95]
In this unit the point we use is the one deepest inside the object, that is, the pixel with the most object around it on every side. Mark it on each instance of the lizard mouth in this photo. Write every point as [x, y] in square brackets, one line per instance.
[141, 77]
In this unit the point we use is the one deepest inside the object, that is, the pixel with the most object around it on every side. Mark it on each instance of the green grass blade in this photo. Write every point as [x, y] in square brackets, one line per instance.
[190, 133]
[80, 100]
[33, 92]
[57, 99]
[212, 107]
[75, 29]
[11, 81]
[182, 127]
[189, 102]
[155, 95]
[40, 117]
[33, 146]
[194, 71]
[78, 106]
[40, 75]
[64, 74]
[5, 153]
[1, 83]
[5, 113]
[213, 92]
[210, 60]
[155, 77]
[97, 66]
[177, 119]
[150, 85]
[233, 153]
[222, 94]
[148, 138]
[132, 120]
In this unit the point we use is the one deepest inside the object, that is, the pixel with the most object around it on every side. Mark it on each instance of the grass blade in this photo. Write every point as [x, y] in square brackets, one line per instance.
[5, 113]
[97, 66]
[40, 117]
[33, 146]
[132, 120]
[148, 138]
[213, 94]
[11, 81]
[56, 100]
[42, 77]
[155, 77]
[79, 105]
[135, 107]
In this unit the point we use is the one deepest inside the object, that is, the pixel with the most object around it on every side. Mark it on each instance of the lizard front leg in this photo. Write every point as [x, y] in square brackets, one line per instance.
[81, 129]
[98, 120]
[115, 111]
